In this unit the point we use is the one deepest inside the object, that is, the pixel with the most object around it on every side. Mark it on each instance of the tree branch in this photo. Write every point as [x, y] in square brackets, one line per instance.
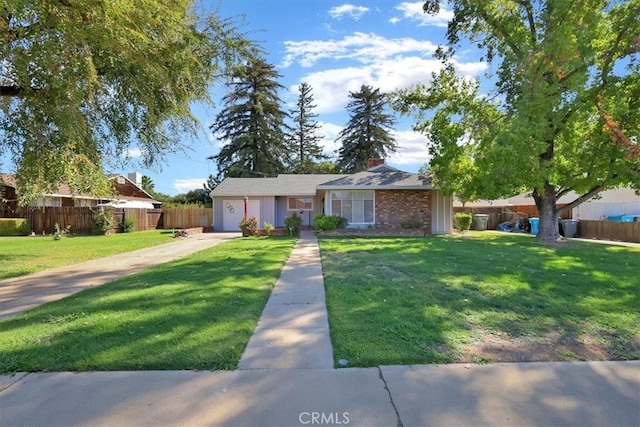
[594, 191]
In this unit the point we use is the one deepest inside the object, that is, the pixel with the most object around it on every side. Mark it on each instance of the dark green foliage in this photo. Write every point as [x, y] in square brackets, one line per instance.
[329, 222]
[293, 222]
[303, 139]
[368, 133]
[462, 221]
[251, 124]
[14, 227]
[129, 224]
[103, 221]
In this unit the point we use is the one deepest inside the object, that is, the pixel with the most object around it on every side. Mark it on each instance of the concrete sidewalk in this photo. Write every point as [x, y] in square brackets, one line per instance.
[518, 394]
[285, 379]
[19, 294]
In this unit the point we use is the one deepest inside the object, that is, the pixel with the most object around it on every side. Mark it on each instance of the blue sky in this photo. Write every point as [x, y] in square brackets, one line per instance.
[336, 47]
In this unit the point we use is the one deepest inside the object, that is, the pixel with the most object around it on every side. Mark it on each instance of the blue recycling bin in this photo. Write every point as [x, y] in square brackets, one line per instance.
[535, 225]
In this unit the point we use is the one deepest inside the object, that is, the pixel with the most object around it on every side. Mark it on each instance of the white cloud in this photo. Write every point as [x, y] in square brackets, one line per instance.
[394, 20]
[349, 10]
[186, 185]
[361, 47]
[134, 153]
[330, 132]
[412, 149]
[331, 87]
[366, 58]
[413, 11]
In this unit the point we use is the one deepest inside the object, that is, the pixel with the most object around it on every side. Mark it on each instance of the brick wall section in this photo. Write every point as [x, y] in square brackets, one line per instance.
[397, 208]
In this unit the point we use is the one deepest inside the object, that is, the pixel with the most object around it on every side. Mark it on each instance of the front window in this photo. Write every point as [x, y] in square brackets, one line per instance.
[300, 204]
[355, 206]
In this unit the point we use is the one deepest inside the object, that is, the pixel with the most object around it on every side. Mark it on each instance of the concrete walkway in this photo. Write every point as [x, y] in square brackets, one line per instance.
[293, 331]
[285, 379]
[19, 294]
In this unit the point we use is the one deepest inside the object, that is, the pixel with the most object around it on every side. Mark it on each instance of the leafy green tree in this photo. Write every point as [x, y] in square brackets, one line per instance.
[368, 133]
[251, 123]
[81, 83]
[563, 112]
[303, 140]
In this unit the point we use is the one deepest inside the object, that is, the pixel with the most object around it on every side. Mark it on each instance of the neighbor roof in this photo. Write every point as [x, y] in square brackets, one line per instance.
[381, 177]
[282, 185]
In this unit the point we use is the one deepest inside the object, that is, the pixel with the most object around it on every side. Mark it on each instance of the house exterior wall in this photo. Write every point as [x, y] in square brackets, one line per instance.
[396, 209]
[282, 209]
[441, 213]
[267, 211]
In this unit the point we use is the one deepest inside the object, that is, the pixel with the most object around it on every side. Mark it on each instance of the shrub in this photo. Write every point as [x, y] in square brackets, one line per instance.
[293, 222]
[102, 221]
[249, 226]
[462, 221]
[14, 227]
[128, 224]
[268, 228]
[59, 232]
[329, 222]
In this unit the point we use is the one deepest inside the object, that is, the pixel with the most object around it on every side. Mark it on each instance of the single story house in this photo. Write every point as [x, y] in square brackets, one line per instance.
[126, 189]
[381, 197]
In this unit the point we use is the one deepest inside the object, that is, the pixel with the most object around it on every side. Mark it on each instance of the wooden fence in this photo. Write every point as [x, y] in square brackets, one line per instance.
[499, 214]
[187, 218]
[80, 219]
[610, 230]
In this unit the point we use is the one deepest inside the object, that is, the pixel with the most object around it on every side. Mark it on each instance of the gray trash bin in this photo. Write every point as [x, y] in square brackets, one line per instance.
[480, 222]
[570, 227]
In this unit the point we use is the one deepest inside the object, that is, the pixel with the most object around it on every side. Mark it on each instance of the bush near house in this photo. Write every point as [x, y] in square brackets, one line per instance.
[462, 221]
[14, 227]
[329, 222]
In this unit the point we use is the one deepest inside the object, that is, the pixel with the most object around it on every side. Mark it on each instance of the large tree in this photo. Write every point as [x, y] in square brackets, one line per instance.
[303, 140]
[252, 124]
[367, 135]
[562, 114]
[84, 81]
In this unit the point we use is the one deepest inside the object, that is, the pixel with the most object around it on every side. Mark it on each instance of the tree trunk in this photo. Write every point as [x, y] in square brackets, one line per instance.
[548, 214]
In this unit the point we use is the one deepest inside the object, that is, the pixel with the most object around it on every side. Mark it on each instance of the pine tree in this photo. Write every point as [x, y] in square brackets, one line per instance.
[252, 123]
[367, 135]
[303, 139]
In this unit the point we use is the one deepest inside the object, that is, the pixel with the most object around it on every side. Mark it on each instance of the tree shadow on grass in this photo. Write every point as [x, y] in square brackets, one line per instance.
[462, 299]
[195, 313]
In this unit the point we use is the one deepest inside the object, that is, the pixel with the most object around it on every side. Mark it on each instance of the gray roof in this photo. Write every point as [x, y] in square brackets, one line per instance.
[381, 177]
[282, 185]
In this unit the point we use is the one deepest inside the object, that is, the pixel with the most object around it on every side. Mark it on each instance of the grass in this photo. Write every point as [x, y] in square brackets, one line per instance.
[194, 313]
[480, 297]
[25, 255]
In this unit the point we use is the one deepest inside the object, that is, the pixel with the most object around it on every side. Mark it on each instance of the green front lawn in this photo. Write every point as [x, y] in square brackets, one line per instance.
[24, 255]
[194, 313]
[480, 297]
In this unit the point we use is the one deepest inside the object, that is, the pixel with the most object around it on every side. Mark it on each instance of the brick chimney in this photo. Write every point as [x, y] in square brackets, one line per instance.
[372, 163]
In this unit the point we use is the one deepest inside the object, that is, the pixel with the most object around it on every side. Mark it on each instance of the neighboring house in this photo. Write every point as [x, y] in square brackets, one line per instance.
[381, 197]
[126, 188]
[620, 201]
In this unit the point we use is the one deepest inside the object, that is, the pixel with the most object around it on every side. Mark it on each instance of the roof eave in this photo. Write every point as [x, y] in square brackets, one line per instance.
[375, 187]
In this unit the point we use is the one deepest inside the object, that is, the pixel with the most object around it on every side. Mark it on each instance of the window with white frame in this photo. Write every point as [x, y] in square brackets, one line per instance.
[300, 204]
[355, 206]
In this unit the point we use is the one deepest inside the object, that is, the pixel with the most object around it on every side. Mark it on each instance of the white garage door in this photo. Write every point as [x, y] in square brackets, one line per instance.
[234, 212]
